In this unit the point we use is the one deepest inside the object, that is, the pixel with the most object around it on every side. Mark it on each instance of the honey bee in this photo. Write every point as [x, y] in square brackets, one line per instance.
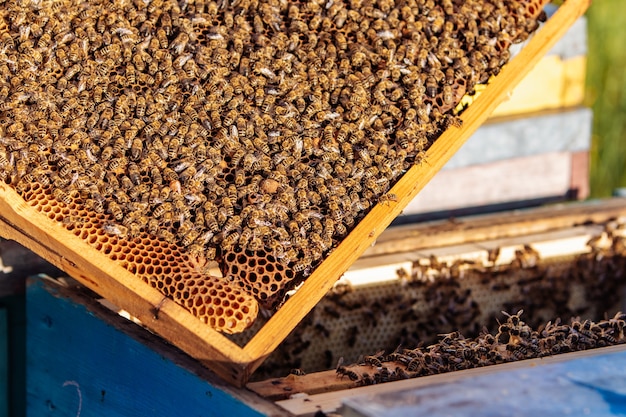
[431, 86]
[62, 196]
[179, 44]
[228, 206]
[161, 37]
[297, 372]
[229, 241]
[115, 229]
[115, 210]
[343, 371]
[62, 58]
[133, 173]
[166, 235]
[374, 360]
[387, 198]
[448, 96]
[161, 209]
[302, 266]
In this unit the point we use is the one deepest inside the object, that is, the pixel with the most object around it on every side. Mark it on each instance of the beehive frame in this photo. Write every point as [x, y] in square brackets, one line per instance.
[23, 223]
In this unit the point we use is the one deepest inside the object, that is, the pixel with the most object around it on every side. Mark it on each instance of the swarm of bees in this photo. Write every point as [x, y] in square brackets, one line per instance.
[514, 341]
[464, 296]
[256, 128]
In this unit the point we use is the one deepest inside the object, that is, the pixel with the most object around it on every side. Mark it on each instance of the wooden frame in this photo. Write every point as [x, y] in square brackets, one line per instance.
[20, 222]
[328, 402]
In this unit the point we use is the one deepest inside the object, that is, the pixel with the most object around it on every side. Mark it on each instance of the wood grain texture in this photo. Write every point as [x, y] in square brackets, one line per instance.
[591, 385]
[328, 402]
[495, 226]
[79, 364]
[24, 224]
[366, 232]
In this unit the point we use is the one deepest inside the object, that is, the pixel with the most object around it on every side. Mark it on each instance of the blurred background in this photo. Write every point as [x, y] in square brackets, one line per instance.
[606, 95]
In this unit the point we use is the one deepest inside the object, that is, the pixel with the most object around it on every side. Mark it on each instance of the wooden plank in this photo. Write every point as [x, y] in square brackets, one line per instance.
[83, 364]
[593, 385]
[366, 232]
[96, 271]
[307, 405]
[562, 243]
[4, 363]
[516, 179]
[566, 131]
[480, 228]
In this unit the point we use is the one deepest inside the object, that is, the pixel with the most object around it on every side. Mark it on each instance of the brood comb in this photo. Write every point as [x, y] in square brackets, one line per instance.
[254, 134]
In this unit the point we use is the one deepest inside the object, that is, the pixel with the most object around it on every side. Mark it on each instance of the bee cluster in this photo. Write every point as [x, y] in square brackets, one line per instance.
[254, 133]
[515, 340]
[460, 295]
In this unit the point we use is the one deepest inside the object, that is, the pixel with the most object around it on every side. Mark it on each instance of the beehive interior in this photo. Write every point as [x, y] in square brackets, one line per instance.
[439, 297]
[254, 134]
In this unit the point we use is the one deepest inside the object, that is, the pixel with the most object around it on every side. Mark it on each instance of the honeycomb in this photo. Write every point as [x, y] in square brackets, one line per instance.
[254, 134]
[156, 261]
[439, 297]
[514, 341]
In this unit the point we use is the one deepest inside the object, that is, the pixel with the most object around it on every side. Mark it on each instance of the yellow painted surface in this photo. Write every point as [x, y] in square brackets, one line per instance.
[552, 84]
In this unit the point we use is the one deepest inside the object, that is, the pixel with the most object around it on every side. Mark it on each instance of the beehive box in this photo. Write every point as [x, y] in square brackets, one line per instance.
[553, 262]
[91, 241]
[64, 320]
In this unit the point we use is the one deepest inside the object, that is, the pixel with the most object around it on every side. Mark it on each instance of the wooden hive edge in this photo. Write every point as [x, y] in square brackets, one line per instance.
[495, 226]
[27, 226]
[381, 215]
[331, 401]
[76, 293]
